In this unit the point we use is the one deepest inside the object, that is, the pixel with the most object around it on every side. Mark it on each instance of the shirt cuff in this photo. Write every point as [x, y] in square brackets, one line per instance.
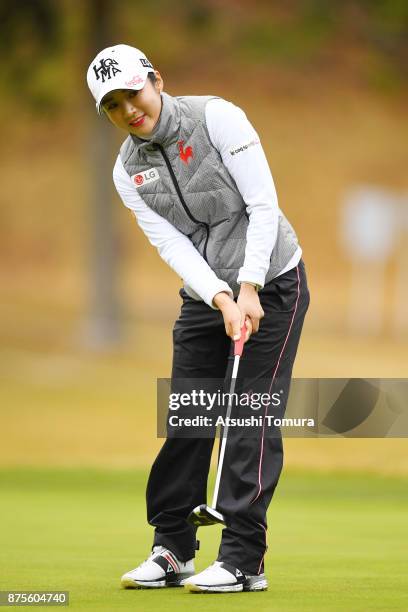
[221, 286]
[248, 276]
[209, 295]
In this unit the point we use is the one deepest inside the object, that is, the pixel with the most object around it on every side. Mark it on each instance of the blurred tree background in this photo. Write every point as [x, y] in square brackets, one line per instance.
[325, 85]
[362, 41]
[366, 40]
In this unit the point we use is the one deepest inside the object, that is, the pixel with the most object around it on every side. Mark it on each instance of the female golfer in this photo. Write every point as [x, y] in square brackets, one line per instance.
[193, 172]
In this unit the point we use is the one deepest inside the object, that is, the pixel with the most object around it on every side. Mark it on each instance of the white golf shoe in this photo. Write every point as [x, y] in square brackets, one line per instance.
[221, 577]
[161, 569]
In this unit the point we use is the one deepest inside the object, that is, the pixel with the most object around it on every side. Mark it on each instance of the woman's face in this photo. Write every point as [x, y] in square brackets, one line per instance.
[136, 112]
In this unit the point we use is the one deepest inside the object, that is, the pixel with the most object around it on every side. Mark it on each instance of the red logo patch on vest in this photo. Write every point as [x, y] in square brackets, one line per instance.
[147, 176]
[185, 154]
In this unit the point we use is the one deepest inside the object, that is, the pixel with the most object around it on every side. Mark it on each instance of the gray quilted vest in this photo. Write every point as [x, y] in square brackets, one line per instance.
[180, 175]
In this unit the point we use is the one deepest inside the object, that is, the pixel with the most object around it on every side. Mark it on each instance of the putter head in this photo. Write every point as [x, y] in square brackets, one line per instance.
[203, 515]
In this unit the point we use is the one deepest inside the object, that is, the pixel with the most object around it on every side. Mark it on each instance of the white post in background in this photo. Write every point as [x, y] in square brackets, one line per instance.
[368, 229]
[400, 318]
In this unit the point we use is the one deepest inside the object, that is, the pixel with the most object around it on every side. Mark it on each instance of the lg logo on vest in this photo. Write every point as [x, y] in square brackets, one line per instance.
[143, 178]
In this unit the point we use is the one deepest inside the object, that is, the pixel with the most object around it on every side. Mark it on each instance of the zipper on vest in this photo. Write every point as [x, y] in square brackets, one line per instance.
[180, 195]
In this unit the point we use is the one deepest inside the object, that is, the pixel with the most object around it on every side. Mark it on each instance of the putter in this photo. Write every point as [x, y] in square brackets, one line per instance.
[204, 515]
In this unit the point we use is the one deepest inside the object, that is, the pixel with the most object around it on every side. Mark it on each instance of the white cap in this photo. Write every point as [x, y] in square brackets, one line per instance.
[118, 67]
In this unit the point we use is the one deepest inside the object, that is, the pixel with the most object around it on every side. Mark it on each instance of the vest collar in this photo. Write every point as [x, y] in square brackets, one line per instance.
[167, 128]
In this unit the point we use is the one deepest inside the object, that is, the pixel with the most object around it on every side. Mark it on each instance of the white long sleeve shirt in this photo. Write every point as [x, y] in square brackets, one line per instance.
[241, 152]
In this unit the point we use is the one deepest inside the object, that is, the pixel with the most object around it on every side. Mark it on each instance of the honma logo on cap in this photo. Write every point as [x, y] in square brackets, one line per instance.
[117, 67]
[107, 69]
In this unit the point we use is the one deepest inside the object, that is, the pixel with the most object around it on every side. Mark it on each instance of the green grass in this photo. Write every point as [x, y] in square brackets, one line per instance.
[336, 542]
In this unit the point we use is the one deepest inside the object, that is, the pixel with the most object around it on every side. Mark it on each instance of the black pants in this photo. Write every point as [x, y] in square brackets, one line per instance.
[252, 465]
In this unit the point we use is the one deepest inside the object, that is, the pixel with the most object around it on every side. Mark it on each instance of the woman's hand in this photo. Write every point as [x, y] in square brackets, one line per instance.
[232, 315]
[247, 308]
[250, 307]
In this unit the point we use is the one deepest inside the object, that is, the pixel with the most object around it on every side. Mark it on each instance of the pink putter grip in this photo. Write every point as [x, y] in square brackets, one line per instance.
[239, 344]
